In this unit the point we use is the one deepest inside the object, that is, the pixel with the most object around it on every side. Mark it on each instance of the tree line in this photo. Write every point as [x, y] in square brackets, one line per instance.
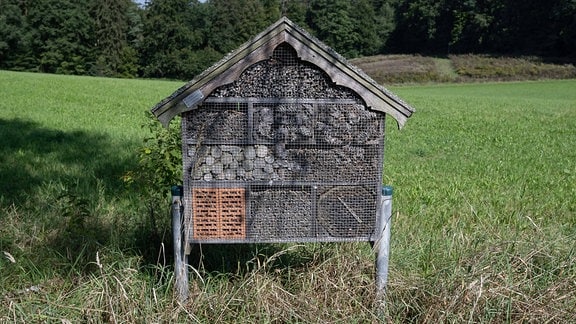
[178, 39]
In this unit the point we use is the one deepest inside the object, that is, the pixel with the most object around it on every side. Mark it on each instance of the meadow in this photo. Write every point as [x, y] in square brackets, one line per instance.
[484, 179]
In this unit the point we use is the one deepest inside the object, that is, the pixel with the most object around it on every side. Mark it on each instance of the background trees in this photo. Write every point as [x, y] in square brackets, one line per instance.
[168, 38]
[12, 26]
[116, 31]
[180, 38]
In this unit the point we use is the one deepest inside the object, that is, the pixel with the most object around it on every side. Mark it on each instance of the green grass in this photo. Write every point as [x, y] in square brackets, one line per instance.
[70, 128]
[484, 178]
[483, 229]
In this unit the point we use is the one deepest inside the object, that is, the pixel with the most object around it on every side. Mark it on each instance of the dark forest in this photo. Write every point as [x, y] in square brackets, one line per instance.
[178, 39]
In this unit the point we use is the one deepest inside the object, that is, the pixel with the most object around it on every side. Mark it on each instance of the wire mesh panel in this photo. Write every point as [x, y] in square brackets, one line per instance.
[279, 213]
[347, 211]
[226, 123]
[282, 154]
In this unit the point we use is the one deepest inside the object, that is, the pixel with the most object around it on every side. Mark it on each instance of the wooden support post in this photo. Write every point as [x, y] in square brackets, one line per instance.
[382, 246]
[180, 260]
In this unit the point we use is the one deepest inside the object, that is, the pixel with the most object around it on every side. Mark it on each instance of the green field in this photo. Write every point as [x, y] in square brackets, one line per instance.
[483, 231]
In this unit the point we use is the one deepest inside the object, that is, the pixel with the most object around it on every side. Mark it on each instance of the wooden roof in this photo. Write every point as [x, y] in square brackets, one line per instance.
[259, 48]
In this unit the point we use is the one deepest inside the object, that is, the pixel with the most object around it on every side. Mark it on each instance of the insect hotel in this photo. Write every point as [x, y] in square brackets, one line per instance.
[282, 141]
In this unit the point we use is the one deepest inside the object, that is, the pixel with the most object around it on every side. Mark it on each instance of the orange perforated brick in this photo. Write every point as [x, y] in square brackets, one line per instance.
[219, 213]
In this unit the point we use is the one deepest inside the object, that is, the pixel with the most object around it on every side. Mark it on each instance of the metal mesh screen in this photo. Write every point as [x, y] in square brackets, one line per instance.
[347, 211]
[306, 153]
[280, 213]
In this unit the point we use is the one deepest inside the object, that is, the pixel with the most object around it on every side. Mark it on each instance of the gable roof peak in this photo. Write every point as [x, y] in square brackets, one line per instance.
[261, 47]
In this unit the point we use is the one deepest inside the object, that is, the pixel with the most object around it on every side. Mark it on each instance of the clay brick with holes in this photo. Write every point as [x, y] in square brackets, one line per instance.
[219, 213]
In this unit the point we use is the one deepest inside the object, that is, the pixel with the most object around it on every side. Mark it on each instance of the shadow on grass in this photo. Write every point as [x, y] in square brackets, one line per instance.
[56, 180]
[244, 258]
[32, 155]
